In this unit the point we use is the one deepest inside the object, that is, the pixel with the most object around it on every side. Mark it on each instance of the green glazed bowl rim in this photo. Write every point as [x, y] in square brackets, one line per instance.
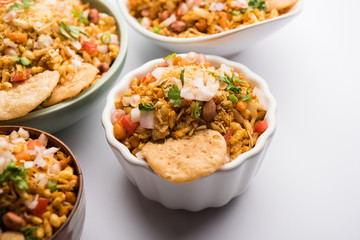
[113, 11]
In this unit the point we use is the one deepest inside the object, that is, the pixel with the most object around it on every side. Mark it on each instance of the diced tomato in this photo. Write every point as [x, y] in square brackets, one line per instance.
[128, 124]
[32, 143]
[40, 207]
[261, 126]
[21, 76]
[148, 76]
[89, 47]
[228, 135]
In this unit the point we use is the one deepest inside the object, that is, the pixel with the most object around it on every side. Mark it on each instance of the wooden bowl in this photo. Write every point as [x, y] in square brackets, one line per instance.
[73, 226]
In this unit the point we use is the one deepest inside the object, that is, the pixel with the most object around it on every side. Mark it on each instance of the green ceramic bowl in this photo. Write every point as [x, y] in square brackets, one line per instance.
[63, 114]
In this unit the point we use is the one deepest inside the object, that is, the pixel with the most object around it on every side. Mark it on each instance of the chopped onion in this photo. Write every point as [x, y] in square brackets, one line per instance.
[39, 161]
[50, 151]
[170, 20]
[158, 72]
[114, 38]
[216, 6]
[117, 114]
[191, 57]
[135, 115]
[54, 168]
[61, 7]
[31, 204]
[177, 82]
[258, 93]
[145, 22]
[43, 41]
[134, 100]
[187, 92]
[217, 27]
[240, 4]
[76, 44]
[9, 43]
[182, 10]
[40, 179]
[103, 49]
[13, 135]
[23, 133]
[11, 52]
[147, 119]
[43, 139]
[18, 140]
[126, 101]
[86, 14]
[10, 16]
[28, 164]
[226, 69]
[3, 143]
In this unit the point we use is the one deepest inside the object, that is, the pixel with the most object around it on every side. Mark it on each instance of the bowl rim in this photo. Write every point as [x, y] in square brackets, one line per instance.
[295, 10]
[75, 162]
[148, 66]
[120, 59]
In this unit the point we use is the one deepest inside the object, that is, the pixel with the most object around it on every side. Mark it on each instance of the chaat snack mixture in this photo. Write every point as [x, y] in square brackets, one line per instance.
[183, 97]
[38, 187]
[60, 46]
[194, 18]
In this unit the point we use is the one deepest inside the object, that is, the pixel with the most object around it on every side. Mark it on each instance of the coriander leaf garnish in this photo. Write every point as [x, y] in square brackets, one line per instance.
[253, 4]
[174, 96]
[233, 98]
[247, 97]
[146, 107]
[19, 6]
[71, 32]
[21, 60]
[197, 109]
[15, 7]
[182, 76]
[80, 16]
[16, 174]
[29, 233]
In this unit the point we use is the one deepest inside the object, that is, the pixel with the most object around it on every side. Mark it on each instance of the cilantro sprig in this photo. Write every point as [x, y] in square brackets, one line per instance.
[174, 95]
[146, 107]
[29, 233]
[21, 60]
[71, 32]
[80, 16]
[230, 82]
[253, 4]
[247, 97]
[19, 6]
[182, 76]
[16, 174]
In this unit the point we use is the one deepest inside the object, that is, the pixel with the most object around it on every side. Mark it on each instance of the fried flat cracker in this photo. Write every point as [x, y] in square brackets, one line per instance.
[187, 159]
[279, 4]
[82, 79]
[27, 95]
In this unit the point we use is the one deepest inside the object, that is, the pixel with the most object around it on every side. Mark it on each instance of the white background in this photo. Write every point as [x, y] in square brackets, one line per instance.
[309, 184]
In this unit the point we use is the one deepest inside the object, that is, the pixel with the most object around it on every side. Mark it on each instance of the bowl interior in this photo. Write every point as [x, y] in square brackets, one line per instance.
[296, 9]
[266, 99]
[104, 7]
[55, 142]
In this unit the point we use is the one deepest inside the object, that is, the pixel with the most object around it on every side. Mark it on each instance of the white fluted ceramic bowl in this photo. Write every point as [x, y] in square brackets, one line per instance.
[223, 44]
[214, 190]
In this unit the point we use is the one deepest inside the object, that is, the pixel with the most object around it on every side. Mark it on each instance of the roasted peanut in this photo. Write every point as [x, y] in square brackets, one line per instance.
[70, 197]
[178, 26]
[13, 221]
[93, 16]
[119, 130]
[164, 15]
[103, 67]
[209, 111]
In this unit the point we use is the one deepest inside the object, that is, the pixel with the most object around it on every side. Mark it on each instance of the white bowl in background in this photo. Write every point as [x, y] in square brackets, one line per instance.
[223, 44]
[213, 190]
